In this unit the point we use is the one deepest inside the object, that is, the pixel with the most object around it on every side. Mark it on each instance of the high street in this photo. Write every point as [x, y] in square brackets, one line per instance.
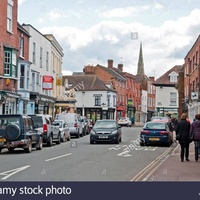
[77, 160]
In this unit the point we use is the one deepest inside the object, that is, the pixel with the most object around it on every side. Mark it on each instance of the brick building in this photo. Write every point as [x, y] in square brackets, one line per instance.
[128, 91]
[192, 79]
[9, 51]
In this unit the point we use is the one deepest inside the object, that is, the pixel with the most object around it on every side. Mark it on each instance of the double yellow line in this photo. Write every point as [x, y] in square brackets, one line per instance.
[148, 171]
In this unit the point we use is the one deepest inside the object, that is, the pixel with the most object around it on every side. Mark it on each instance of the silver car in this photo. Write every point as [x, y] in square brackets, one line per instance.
[64, 130]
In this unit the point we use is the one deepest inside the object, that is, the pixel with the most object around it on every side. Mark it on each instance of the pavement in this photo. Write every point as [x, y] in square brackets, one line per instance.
[172, 169]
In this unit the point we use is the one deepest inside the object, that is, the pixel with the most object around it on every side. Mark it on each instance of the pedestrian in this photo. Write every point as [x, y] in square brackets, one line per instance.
[132, 121]
[170, 125]
[195, 135]
[183, 130]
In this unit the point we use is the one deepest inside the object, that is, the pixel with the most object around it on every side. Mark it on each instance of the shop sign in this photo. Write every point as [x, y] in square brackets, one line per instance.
[47, 82]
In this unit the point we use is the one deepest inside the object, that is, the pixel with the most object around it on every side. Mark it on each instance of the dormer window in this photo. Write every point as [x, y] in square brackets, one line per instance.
[173, 77]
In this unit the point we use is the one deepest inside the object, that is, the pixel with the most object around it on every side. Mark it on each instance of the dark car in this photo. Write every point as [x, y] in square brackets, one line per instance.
[156, 133]
[106, 131]
[17, 131]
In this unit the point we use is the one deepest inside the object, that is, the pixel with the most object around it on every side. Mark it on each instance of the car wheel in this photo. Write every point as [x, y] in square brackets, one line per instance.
[29, 148]
[64, 138]
[50, 142]
[91, 141]
[59, 139]
[69, 138]
[0, 150]
[40, 144]
[141, 143]
[117, 141]
[78, 135]
[11, 149]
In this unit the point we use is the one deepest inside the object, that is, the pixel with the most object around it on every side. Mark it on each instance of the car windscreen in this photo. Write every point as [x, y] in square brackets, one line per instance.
[105, 124]
[158, 126]
[37, 121]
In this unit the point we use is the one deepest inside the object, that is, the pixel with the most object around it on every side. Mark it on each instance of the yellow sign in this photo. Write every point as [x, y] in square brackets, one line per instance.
[58, 81]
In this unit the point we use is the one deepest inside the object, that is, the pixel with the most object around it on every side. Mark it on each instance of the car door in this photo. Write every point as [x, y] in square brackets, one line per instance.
[28, 128]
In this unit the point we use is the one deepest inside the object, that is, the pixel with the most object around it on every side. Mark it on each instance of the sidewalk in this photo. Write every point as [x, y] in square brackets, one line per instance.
[172, 169]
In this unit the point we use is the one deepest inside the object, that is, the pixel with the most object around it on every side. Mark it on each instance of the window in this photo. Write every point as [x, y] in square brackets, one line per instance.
[40, 56]
[114, 101]
[34, 52]
[97, 101]
[10, 62]
[173, 78]
[27, 76]
[108, 100]
[47, 61]
[9, 15]
[22, 77]
[7, 62]
[173, 98]
[21, 48]
[37, 82]
[33, 82]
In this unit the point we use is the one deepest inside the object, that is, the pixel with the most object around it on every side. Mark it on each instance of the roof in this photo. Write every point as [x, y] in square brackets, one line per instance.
[164, 79]
[192, 47]
[85, 83]
[112, 72]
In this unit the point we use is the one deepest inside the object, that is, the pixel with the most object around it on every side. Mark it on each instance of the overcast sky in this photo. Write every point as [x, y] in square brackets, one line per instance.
[93, 31]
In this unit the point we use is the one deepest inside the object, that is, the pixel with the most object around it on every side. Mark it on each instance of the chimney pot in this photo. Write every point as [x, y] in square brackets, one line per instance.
[110, 63]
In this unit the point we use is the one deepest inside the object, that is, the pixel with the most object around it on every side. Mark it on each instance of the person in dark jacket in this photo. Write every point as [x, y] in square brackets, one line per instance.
[195, 135]
[183, 129]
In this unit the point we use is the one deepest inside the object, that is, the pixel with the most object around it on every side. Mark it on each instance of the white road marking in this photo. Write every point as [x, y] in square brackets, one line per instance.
[12, 172]
[50, 159]
[117, 147]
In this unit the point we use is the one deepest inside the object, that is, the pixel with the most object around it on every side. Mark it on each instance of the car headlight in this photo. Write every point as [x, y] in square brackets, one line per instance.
[114, 132]
[92, 132]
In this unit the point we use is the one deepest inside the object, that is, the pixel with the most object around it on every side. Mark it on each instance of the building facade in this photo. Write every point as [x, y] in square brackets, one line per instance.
[192, 79]
[9, 51]
[41, 75]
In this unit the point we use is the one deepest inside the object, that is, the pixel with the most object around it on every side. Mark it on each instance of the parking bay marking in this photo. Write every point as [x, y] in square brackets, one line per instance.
[9, 173]
[50, 159]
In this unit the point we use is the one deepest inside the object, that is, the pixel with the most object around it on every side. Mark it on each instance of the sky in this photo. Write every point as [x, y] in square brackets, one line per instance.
[93, 31]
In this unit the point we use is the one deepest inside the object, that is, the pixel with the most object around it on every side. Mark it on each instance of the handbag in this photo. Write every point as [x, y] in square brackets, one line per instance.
[178, 137]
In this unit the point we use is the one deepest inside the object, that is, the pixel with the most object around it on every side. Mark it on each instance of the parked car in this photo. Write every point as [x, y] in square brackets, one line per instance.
[74, 123]
[85, 125]
[107, 131]
[159, 118]
[64, 129]
[156, 133]
[17, 131]
[124, 121]
[50, 132]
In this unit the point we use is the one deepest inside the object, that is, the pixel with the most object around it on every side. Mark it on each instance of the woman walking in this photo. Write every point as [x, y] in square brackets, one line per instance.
[195, 135]
[183, 130]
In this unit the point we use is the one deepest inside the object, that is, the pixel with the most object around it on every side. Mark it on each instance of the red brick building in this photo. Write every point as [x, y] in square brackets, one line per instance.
[9, 47]
[128, 94]
[192, 80]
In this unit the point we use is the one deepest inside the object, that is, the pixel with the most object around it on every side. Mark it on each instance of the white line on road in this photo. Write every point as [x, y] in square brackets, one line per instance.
[58, 157]
[12, 172]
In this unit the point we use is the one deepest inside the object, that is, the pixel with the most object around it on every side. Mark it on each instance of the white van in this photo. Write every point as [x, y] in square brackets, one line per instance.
[73, 121]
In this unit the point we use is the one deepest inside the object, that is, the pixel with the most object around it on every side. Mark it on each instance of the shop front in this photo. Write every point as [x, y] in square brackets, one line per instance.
[97, 113]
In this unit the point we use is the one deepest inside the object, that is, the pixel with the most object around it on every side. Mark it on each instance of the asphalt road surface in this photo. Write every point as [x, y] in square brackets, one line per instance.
[77, 160]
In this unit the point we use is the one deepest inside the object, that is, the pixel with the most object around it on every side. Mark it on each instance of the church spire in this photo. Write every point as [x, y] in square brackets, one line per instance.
[140, 70]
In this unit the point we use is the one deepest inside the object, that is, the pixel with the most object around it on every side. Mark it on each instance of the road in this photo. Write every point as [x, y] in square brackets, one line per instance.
[77, 160]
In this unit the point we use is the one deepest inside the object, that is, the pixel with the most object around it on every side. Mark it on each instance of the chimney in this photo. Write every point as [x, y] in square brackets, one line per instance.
[110, 63]
[88, 70]
[120, 67]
